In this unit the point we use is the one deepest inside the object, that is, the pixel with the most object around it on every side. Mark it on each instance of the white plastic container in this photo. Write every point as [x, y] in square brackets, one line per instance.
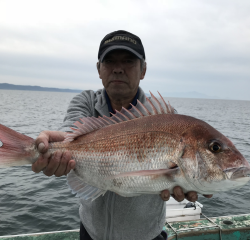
[176, 212]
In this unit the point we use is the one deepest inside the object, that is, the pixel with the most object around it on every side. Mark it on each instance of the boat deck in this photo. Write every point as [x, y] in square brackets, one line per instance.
[227, 228]
[59, 235]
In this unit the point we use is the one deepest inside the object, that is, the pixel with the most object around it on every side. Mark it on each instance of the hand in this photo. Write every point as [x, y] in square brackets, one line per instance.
[179, 196]
[59, 163]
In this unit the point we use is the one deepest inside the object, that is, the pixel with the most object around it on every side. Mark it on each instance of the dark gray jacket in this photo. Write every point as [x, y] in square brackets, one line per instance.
[112, 217]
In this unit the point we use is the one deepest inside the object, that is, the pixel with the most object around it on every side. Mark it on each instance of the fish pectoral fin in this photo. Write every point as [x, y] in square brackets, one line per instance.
[147, 172]
[82, 189]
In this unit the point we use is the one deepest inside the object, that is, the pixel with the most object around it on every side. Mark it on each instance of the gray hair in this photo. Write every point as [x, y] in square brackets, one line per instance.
[142, 64]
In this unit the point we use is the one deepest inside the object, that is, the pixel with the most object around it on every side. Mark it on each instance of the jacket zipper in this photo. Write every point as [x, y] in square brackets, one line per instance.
[109, 216]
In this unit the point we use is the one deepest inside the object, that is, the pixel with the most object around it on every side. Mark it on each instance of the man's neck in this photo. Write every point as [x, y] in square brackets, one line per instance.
[118, 104]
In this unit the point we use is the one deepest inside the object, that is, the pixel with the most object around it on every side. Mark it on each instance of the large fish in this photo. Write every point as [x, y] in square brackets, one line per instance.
[140, 151]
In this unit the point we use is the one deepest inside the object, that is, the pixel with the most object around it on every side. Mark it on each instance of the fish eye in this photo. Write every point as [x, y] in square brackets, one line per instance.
[215, 147]
[1, 143]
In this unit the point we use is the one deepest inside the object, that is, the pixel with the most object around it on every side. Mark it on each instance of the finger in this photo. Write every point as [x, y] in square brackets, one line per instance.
[54, 163]
[192, 196]
[165, 195]
[178, 194]
[41, 163]
[65, 158]
[42, 141]
[208, 196]
[55, 136]
[42, 148]
[71, 165]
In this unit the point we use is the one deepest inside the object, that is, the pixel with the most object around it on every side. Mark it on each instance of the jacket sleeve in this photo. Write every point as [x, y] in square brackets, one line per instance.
[82, 105]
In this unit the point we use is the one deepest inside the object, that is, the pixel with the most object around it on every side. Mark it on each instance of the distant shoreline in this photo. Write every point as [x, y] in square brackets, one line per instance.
[7, 86]
[194, 95]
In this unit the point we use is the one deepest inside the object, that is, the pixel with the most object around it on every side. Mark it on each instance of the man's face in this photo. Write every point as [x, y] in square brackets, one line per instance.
[121, 73]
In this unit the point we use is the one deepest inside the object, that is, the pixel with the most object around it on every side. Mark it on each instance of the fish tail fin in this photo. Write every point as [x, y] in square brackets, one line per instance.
[16, 149]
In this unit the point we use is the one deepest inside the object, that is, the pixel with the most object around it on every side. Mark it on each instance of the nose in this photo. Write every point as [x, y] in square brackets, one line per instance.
[118, 69]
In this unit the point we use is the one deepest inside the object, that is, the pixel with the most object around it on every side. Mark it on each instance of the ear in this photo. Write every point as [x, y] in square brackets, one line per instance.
[98, 69]
[143, 71]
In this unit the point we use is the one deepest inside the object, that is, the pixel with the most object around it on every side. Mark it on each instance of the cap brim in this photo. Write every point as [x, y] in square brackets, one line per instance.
[115, 47]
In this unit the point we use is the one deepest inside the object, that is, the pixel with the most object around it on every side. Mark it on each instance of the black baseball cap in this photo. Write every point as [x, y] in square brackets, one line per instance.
[121, 40]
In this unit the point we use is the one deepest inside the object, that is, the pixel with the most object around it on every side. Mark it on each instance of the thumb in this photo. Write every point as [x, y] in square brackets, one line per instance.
[41, 147]
[42, 142]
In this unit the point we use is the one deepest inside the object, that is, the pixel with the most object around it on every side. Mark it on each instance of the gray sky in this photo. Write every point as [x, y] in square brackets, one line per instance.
[190, 45]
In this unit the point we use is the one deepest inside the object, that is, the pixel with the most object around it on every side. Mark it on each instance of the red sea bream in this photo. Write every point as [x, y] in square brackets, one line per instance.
[143, 150]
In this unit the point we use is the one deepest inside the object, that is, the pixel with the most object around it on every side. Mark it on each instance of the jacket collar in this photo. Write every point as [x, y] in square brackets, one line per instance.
[101, 105]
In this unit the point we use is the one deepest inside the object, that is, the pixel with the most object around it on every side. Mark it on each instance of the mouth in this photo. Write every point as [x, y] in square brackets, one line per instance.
[234, 173]
[117, 81]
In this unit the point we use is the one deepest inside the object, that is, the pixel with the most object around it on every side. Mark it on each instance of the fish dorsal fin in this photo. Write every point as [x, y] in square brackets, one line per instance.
[153, 106]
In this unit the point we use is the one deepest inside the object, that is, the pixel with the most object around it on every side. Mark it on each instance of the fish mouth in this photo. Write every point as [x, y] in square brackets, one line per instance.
[235, 173]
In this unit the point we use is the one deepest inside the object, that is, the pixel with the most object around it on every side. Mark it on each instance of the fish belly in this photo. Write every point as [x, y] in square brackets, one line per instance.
[109, 164]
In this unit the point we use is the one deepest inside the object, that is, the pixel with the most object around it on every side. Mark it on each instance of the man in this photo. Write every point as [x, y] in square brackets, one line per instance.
[121, 66]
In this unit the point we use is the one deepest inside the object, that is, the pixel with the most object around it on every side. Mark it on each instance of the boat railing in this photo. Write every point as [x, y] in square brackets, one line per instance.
[194, 228]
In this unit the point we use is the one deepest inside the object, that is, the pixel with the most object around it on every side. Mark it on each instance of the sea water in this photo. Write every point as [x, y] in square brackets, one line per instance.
[31, 202]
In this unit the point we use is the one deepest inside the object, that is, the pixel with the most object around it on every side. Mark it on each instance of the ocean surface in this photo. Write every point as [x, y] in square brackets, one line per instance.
[31, 202]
